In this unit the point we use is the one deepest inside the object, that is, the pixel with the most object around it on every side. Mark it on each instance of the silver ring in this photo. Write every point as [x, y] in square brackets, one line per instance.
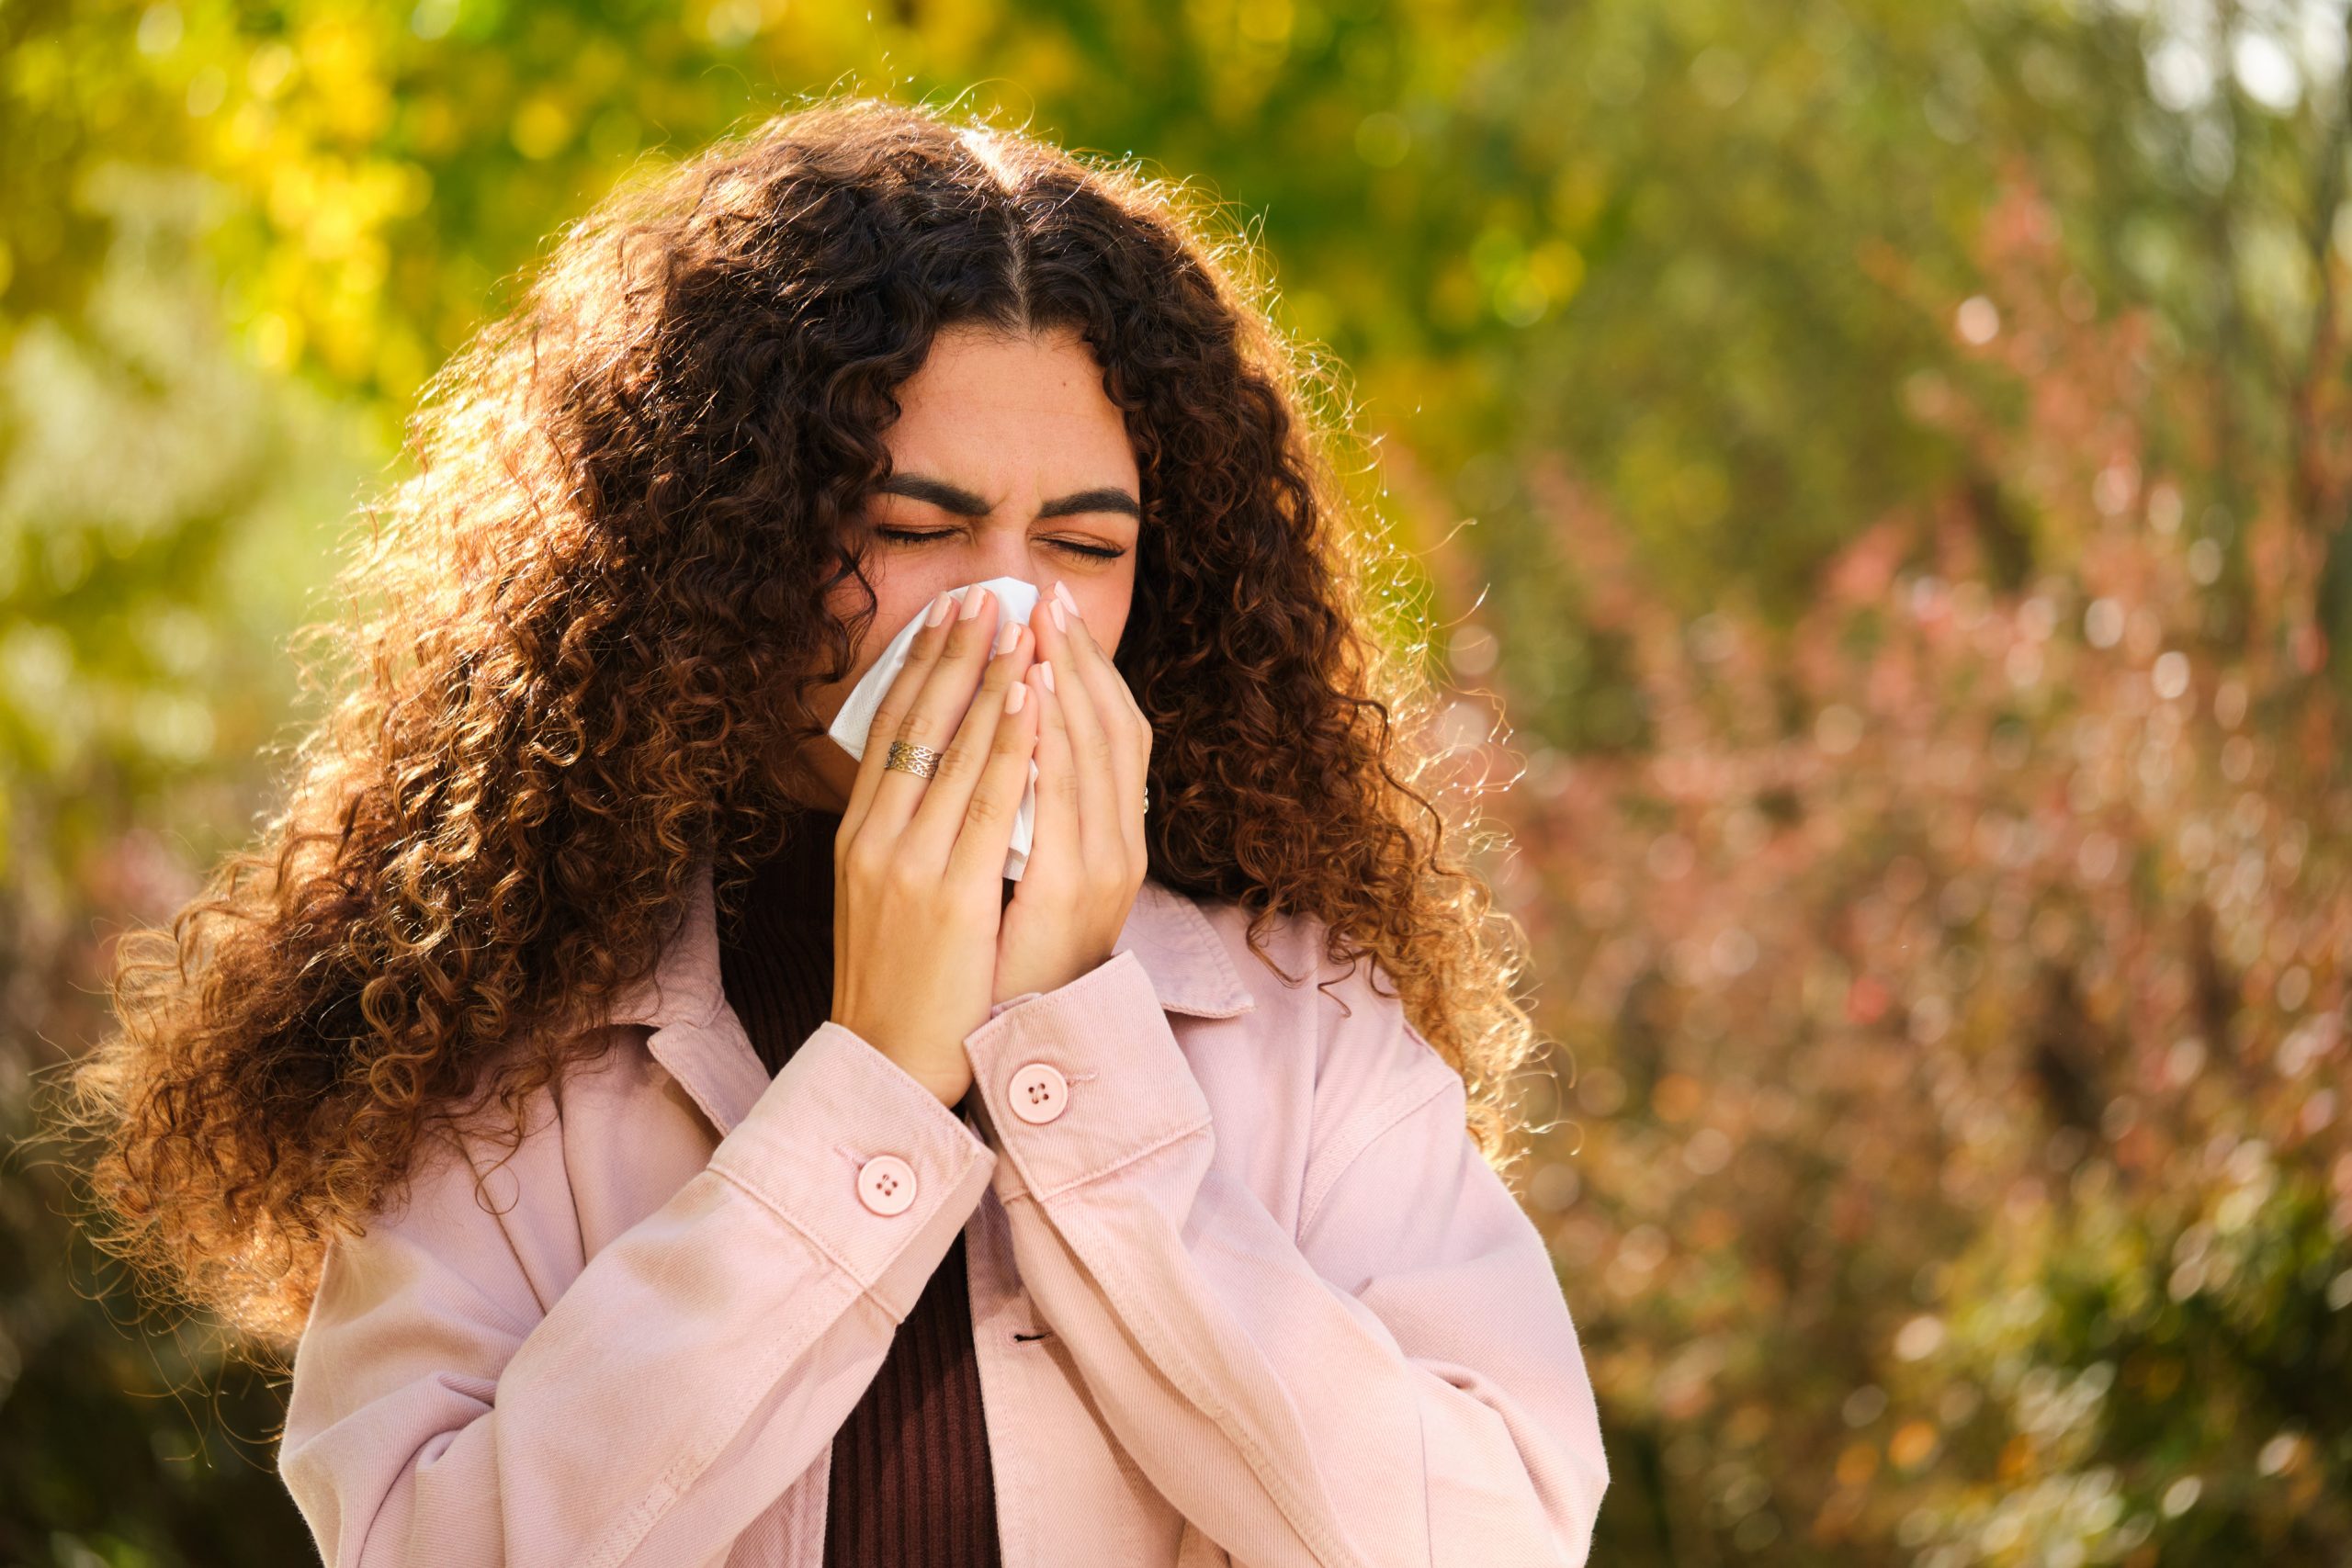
[906, 757]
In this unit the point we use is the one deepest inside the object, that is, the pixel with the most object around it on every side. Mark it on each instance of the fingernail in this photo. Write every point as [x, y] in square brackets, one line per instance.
[1062, 592]
[1007, 634]
[1014, 695]
[1061, 622]
[1045, 672]
[939, 608]
[972, 597]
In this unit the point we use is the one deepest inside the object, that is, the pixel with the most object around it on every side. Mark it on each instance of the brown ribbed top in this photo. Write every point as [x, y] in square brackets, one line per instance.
[911, 1478]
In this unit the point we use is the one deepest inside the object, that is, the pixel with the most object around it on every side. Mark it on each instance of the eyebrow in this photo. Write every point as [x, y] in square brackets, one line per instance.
[965, 503]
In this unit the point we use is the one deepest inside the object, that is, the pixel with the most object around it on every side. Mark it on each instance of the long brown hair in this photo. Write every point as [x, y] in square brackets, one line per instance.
[576, 642]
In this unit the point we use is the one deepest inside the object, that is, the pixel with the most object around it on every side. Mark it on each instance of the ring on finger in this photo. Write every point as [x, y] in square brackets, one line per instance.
[906, 757]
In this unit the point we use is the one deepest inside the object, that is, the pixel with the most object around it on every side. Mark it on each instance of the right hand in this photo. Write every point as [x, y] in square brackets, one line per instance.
[918, 863]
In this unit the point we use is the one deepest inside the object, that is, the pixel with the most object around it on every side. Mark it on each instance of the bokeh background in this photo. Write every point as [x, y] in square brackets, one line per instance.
[1878, 473]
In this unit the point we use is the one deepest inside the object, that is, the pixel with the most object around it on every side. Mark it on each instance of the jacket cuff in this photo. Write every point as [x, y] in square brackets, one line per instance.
[1130, 1088]
[996, 1008]
[837, 1102]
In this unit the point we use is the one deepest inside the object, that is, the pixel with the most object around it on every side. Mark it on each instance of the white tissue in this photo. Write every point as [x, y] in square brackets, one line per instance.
[1014, 599]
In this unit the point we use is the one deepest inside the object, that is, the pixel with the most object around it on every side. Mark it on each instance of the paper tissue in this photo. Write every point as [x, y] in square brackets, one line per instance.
[1015, 598]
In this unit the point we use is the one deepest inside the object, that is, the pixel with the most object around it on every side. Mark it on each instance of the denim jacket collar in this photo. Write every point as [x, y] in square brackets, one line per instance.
[700, 1041]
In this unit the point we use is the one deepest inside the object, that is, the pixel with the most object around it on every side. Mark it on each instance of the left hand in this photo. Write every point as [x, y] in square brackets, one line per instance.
[1086, 859]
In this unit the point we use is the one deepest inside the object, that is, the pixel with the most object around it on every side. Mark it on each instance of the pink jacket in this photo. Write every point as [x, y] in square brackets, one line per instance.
[1242, 1290]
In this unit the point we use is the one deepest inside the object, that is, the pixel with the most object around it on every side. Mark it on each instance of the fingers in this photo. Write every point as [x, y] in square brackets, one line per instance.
[1104, 683]
[937, 706]
[1054, 849]
[951, 799]
[897, 701]
[985, 837]
[1108, 737]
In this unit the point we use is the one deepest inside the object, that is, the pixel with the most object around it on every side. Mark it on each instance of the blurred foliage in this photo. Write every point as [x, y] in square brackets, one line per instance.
[1904, 445]
[1949, 1163]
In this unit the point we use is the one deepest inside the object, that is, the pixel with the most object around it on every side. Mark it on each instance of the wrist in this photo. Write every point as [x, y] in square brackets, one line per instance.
[1019, 987]
[948, 1088]
[949, 1092]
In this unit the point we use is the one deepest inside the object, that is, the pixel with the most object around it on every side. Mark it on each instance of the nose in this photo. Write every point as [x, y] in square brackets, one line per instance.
[1009, 559]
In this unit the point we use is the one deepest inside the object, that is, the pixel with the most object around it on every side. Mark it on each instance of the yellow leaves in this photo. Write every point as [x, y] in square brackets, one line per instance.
[348, 97]
[407, 188]
[292, 194]
[248, 129]
[433, 126]
[542, 127]
[324, 286]
[1268, 23]
[1049, 66]
[730, 24]
[269, 68]
[1524, 282]
[307, 147]
[277, 340]
[1557, 267]
[38, 73]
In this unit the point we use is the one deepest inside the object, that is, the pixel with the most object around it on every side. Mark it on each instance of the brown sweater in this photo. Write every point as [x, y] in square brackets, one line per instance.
[911, 1478]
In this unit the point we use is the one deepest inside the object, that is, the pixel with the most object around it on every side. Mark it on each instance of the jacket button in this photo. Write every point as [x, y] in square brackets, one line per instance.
[885, 1184]
[1038, 1092]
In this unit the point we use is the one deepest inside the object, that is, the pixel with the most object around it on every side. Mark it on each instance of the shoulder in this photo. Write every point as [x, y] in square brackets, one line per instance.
[522, 1188]
[1336, 1028]
[1347, 1012]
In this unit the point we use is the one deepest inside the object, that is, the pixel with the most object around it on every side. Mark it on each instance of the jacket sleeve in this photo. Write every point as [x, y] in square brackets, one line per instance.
[441, 1414]
[1398, 1382]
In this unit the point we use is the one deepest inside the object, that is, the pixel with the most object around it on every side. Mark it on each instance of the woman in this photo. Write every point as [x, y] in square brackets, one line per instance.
[656, 1132]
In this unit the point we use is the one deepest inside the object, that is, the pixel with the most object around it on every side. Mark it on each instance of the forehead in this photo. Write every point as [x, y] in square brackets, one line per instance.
[995, 412]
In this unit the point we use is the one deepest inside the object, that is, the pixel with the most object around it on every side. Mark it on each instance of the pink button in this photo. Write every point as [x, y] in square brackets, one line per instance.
[885, 1184]
[1038, 1092]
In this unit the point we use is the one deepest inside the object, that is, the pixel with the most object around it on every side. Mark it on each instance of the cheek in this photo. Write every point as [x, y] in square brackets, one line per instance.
[1105, 606]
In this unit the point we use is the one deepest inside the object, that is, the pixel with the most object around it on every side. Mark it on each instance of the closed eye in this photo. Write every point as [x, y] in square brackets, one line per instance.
[912, 537]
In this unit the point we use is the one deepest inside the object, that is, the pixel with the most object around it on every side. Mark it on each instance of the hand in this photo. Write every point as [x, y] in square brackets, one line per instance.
[918, 863]
[1086, 859]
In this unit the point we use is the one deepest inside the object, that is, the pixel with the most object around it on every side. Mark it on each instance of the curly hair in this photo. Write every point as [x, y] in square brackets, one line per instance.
[577, 639]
